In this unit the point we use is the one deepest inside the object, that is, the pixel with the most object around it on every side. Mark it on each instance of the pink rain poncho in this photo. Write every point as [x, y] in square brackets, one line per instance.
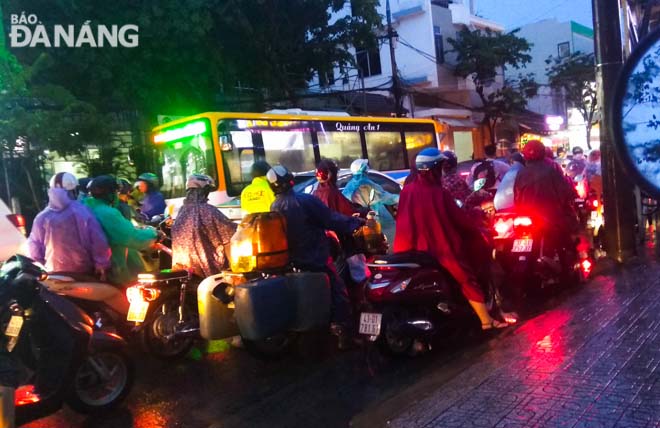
[66, 237]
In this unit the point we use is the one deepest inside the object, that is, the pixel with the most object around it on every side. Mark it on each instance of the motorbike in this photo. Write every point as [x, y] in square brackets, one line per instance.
[534, 257]
[57, 354]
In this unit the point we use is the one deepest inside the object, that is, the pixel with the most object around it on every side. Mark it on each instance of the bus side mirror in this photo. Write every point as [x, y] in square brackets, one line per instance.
[225, 143]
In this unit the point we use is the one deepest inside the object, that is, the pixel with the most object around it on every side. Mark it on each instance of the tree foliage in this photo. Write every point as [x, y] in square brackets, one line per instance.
[575, 77]
[483, 56]
[193, 55]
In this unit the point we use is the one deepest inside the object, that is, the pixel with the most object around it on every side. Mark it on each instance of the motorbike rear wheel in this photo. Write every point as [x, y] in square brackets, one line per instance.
[101, 382]
[157, 334]
[393, 339]
[271, 347]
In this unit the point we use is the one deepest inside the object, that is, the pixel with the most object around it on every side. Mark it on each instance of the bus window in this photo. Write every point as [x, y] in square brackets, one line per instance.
[293, 149]
[385, 150]
[341, 147]
[183, 157]
[416, 142]
[238, 161]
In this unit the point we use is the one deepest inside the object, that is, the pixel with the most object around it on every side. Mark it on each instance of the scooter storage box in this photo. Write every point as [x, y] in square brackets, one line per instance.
[216, 319]
[264, 307]
[311, 294]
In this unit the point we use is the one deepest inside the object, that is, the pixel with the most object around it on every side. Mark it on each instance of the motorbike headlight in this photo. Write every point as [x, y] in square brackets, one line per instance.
[401, 286]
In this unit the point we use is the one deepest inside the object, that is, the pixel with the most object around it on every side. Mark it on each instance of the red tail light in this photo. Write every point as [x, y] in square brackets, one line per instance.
[595, 203]
[522, 221]
[586, 266]
[137, 293]
[581, 189]
[25, 395]
[18, 221]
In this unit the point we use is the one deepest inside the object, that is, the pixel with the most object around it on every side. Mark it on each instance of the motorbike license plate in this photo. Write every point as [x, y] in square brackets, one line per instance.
[370, 323]
[137, 312]
[13, 330]
[522, 246]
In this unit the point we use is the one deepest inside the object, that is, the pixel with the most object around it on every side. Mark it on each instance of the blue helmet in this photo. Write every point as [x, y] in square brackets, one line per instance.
[429, 159]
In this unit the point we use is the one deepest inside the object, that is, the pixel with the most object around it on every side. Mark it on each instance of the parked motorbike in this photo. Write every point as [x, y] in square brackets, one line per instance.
[60, 356]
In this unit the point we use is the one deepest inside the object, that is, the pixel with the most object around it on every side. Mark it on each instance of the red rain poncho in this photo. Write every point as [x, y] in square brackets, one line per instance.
[429, 220]
[332, 197]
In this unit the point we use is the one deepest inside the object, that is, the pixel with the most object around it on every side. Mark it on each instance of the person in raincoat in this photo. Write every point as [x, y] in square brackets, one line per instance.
[504, 196]
[307, 220]
[257, 197]
[152, 202]
[327, 190]
[121, 233]
[452, 182]
[201, 233]
[429, 220]
[65, 236]
[358, 190]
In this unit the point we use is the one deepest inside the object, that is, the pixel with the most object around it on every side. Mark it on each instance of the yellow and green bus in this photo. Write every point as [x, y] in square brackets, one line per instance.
[225, 145]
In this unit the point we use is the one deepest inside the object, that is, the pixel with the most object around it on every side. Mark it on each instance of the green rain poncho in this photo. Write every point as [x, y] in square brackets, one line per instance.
[122, 237]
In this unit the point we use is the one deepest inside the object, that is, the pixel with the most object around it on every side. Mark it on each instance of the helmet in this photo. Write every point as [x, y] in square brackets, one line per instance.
[428, 159]
[125, 186]
[450, 160]
[280, 179]
[574, 168]
[534, 150]
[150, 178]
[64, 180]
[326, 170]
[359, 166]
[594, 155]
[103, 187]
[518, 157]
[259, 168]
[578, 150]
[200, 181]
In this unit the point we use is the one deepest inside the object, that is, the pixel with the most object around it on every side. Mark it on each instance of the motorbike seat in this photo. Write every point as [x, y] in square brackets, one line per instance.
[410, 259]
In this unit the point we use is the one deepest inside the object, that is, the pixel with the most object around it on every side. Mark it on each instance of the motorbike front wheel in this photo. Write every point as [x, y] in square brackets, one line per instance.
[101, 382]
[159, 333]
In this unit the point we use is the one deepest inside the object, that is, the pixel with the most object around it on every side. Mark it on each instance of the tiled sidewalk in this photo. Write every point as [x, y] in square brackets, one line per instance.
[592, 361]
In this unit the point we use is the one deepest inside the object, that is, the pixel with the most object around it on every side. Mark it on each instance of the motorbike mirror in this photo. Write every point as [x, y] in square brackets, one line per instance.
[634, 119]
[479, 184]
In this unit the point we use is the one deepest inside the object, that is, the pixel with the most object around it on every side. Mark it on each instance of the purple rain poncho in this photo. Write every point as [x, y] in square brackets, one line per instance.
[66, 237]
[200, 236]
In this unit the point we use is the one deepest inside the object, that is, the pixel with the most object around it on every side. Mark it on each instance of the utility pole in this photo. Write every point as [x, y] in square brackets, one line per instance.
[396, 84]
[619, 217]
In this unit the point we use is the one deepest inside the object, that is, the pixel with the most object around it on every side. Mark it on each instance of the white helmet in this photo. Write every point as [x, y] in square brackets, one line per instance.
[359, 166]
[64, 180]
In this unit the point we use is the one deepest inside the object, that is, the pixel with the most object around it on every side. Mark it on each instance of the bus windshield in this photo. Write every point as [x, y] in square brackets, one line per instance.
[183, 156]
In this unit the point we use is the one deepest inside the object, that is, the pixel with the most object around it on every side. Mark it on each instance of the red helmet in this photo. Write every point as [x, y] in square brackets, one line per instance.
[533, 150]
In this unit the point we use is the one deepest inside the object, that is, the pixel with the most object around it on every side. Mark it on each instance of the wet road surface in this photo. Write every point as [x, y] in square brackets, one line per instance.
[591, 359]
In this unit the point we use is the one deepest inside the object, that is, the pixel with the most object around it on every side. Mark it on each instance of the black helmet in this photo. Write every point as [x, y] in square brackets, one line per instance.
[259, 168]
[280, 179]
[103, 187]
[451, 161]
[577, 150]
[327, 170]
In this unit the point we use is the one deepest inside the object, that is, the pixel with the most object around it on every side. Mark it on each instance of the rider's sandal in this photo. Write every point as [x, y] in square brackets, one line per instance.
[494, 324]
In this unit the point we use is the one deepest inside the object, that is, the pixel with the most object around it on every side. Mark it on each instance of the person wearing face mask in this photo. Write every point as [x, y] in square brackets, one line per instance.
[65, 236]
[327, 190]
[122, 236]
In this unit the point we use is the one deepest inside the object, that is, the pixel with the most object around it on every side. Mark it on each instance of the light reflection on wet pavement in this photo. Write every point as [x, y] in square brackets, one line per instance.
[590, 360]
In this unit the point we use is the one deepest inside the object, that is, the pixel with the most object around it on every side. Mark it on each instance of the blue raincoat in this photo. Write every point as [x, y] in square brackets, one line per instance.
[504, 197]
[153, 203]
[358, 190]
[66, 237]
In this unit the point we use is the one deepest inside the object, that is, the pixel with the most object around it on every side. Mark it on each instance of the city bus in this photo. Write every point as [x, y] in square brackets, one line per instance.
[225, 145]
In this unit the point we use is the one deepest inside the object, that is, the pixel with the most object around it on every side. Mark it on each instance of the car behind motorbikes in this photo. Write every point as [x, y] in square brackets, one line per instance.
[58, 355]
